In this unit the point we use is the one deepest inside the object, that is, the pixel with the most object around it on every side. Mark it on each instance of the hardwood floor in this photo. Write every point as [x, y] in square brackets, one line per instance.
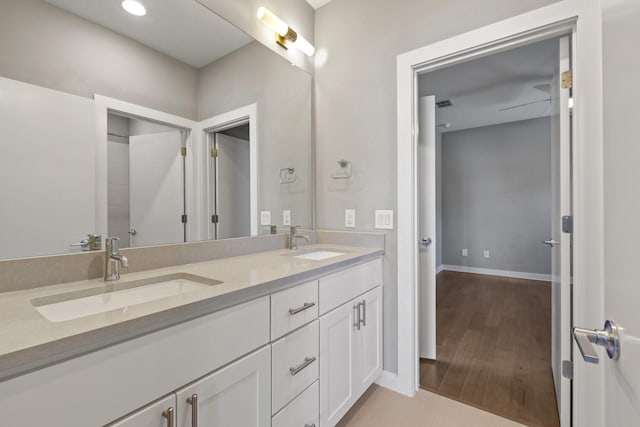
[494, 346]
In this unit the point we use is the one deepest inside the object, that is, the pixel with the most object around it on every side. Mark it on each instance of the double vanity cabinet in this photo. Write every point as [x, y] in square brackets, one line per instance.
[298, 357]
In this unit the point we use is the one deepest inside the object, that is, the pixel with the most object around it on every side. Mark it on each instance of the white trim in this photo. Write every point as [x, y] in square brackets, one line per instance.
[388, 380]
[103, 105]
[559, 18]
[439, 268]
[250, 113]
[500, 273]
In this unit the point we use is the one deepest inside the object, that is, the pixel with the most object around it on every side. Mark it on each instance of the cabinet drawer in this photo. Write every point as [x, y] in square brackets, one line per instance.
[343, 286]
[303, 411]
[293, 308]
[294, 364]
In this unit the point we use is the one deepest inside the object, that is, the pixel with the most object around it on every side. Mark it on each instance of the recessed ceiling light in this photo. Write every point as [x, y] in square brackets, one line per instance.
[134, 7]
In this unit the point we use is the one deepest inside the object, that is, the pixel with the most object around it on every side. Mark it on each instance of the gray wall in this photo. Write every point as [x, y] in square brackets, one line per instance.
[496, 196]
[49, 47]
[355, 100]
[254, 74]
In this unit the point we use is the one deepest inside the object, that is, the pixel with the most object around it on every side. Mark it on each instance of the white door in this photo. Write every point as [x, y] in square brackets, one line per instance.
[426, 158]
[621, 35]
[156, 414]
[368, 339]
[236, 396]
[337, 344]
[232, 187]
[156, 192]
[560, 242]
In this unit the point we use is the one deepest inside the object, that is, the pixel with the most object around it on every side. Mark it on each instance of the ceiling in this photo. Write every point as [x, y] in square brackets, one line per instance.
[492, 89]
[317, 4]
[182, 29]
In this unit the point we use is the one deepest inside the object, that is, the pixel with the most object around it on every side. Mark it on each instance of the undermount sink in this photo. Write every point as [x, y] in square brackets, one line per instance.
[319, 255]
[86, 302]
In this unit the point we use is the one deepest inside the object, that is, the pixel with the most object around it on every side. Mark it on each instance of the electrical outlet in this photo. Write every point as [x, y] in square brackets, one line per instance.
[384, 219]
[286, 217]
[265, 217]
[485, 254]
[465, 252]
[350, 218]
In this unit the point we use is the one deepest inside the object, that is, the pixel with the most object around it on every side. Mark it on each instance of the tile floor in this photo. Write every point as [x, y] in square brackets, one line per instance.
[380, 407]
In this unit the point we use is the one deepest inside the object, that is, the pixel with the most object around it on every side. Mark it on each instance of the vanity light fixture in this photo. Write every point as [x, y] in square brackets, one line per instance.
[134, 7]
[284, 33]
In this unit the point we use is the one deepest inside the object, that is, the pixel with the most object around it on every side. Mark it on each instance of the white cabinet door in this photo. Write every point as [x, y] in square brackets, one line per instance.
[337, 344]
[368, 341]
[156, 414]
[236, 396]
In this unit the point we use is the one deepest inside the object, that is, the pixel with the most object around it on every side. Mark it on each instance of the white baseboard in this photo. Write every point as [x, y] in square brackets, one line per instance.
[501, 273]
[391, 381]
[439, 268]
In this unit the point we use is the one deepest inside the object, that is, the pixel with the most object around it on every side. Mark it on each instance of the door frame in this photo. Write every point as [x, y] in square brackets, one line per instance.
[103, 105]
[583, 19]
[248, 113]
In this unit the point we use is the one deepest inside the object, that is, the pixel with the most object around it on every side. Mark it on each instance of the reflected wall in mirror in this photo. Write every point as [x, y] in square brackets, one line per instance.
[61, 169]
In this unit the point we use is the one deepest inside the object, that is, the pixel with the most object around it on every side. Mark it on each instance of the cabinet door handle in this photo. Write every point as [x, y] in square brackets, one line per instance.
[295, 370]
[193, 401]
[356, 316]
[168, 414]
[363, 320]
[309, 425]
[305, 306]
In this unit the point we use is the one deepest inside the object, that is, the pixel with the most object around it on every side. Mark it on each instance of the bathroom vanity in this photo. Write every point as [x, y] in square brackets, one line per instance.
[273, 338]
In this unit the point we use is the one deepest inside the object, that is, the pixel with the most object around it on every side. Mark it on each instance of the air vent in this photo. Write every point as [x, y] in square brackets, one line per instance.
[444, 104]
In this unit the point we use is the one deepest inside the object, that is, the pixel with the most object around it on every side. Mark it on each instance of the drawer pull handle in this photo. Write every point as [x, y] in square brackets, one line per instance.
[307, 305]
[356, 316]
[193, 401]
[168, 414]
[307, 361]
[309, 425]
[363, 319]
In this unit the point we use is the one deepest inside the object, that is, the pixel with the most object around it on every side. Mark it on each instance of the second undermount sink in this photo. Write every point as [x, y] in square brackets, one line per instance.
[317, 254]
[86, 302]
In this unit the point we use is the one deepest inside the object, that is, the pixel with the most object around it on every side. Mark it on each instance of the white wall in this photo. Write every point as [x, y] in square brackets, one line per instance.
[355, 101]
[496, 196]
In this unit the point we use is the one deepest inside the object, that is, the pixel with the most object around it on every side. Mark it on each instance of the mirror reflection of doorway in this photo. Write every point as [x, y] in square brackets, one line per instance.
[146, 181]
[230, 207]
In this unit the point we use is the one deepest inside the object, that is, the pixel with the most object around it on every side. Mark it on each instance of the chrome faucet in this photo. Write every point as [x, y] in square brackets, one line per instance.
[113, 260]
[294, 236]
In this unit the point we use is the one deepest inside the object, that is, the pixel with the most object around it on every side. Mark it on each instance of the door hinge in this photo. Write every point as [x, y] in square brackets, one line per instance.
[214, 152]
[567, 79]
[567, 224]
[183, 151]
[184, 219]
[214, 218]
[567, 369]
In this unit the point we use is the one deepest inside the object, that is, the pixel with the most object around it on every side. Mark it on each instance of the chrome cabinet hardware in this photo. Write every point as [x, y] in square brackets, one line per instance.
[426, 242]
[168, 414]
[295, 370]
[309, 425]
[356, 316]
[193, 401]
[607, 338]
[363, 318]
[305, 306]
[550, 242]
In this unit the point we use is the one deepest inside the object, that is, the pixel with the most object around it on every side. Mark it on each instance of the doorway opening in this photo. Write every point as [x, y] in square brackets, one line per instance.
[229, 180]
[146, 181]
[492, 171]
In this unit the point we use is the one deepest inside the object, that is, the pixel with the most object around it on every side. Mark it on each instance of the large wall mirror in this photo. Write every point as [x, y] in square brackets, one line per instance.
[170, 127]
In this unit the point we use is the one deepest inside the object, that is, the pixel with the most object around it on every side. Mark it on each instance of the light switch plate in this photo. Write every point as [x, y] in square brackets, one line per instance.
[265, 217]
[286, 217]
[384, 219]
[485, 254]
[350, 218]
[465, 252]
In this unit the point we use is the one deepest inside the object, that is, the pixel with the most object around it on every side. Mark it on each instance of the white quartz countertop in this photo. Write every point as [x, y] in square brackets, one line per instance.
[30, 341]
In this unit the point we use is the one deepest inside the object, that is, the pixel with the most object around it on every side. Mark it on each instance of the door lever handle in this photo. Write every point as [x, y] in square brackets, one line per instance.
[550, 242]
[608, 338]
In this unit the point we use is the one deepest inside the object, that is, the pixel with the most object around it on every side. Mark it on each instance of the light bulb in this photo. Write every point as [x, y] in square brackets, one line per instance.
[134, 7]
[304, 46]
